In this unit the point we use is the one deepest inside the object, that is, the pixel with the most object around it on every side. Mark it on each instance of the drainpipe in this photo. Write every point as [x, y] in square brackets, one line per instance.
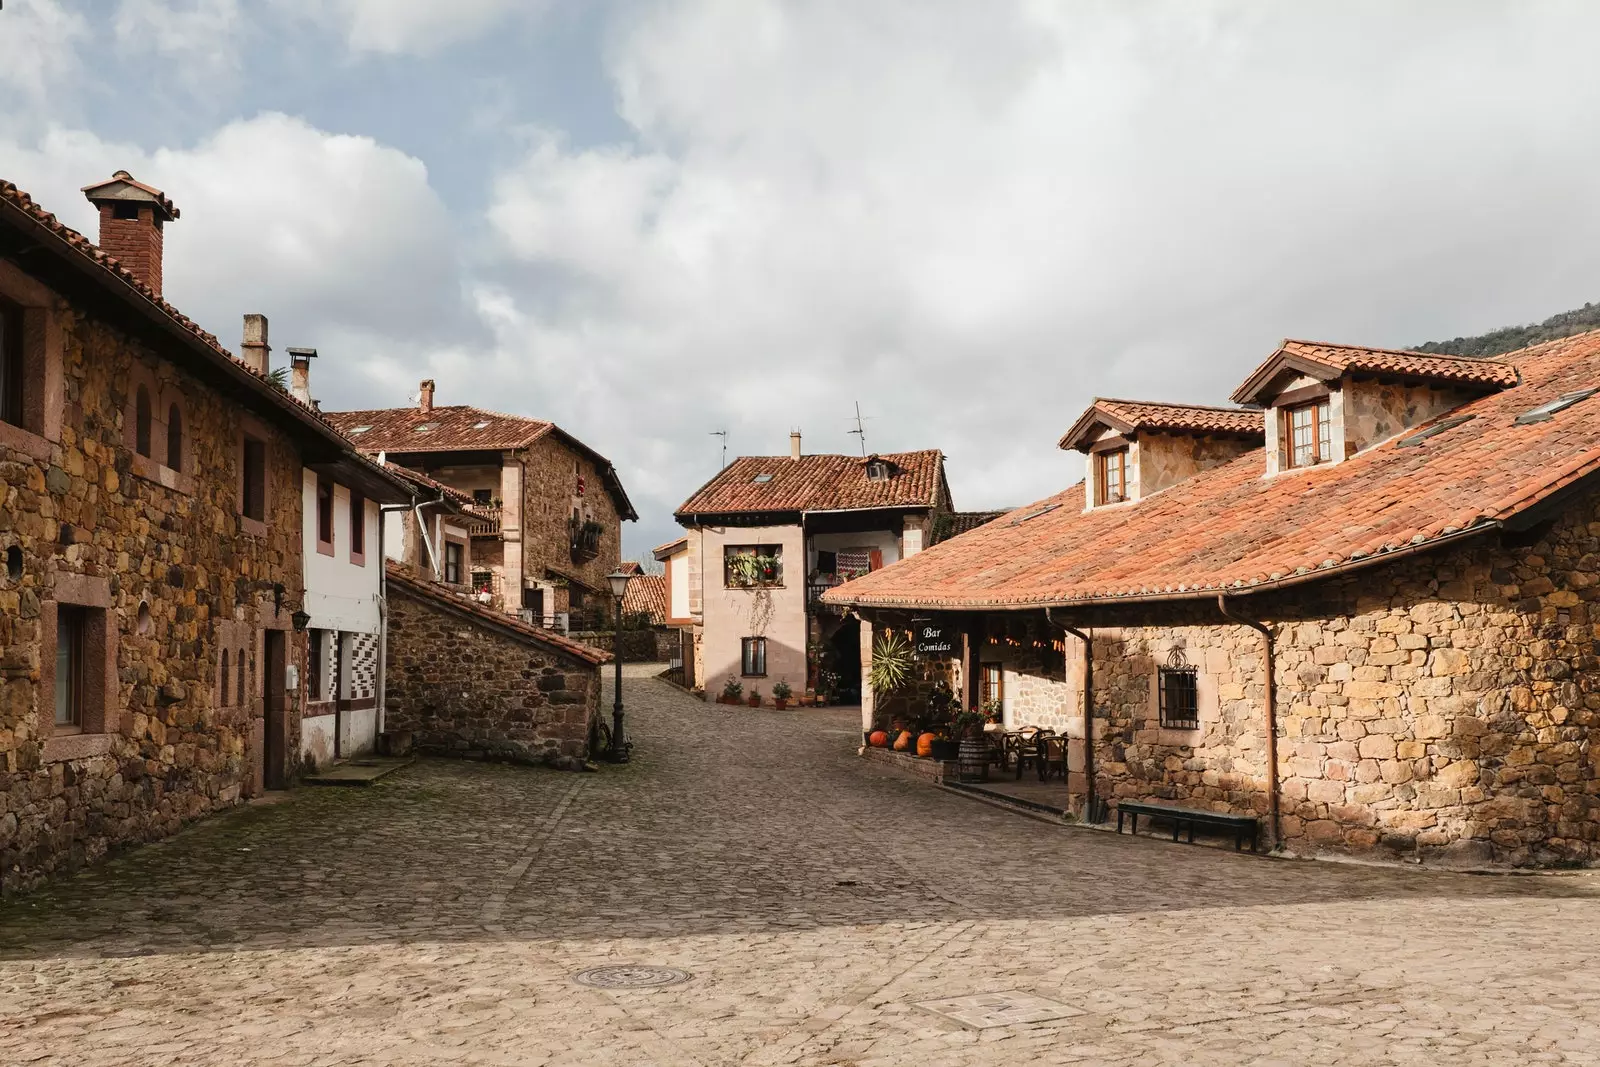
[1089, 804]
[1270, 713]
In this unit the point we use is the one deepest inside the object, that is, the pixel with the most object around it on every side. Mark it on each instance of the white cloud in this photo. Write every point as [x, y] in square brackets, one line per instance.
[201, 36]
[38, 40]
[973, 219]
[338, 239]
[409, 27]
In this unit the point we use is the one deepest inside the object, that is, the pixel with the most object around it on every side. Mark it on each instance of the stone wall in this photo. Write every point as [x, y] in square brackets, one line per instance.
[550, 495]
[158, 558]
[466, 681]
[1376, 411]
[1167, 459]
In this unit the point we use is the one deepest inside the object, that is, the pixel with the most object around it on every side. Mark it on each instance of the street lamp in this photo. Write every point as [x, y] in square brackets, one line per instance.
[619, 588]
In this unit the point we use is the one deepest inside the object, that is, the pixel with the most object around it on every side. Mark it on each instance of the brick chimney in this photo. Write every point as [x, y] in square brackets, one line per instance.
[257, 352]
[300, 374]
[131, 217]
[425, 397]
[794, 444]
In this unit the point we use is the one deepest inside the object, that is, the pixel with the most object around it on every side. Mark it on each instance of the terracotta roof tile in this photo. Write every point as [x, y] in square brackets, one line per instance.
[1489, 373]
[1228, 528]
[1129, 416]
[398, 576]
[647, 594]
[422, 481]
[818, 483]
[663, 550]
[444, 429]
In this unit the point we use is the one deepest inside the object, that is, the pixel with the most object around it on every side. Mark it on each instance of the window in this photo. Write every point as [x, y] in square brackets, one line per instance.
[71, 625]
[1111, 476]
[1543, 412]
[315, 685]
[483, 496]
[1307, 431]
[991, 685]
[255, 479]
[452, 562]
[483, 581]
[241, 694]
[358, 527]
[141, 422]
[747, 566]
[324, 515]
[878, 471]
[1179, 695]
[225, 678]
[11, 408]
[753, 657]
[175, 438]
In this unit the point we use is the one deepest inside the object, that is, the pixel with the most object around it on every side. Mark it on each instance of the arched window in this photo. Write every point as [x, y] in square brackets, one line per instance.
[225, 677]
[175, 438]
[241, 677]
[141, 422]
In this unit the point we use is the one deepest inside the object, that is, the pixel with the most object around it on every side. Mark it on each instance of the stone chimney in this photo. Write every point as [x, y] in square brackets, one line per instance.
[425, 397]
[131, 217]
[300, 374]
[257, 352]
[794, 444]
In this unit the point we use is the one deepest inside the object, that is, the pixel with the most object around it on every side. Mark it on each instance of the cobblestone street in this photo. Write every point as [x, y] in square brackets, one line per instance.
[439, 916]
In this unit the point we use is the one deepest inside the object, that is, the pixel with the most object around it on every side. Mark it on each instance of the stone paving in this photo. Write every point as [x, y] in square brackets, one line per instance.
[825, 909]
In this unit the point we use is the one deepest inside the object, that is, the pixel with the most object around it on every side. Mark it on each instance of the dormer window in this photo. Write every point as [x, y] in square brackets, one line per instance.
[877, 471]
[1307, 428]
[1111, 476]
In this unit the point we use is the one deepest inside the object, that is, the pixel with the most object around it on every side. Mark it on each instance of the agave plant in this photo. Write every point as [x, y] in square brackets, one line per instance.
[893, 659]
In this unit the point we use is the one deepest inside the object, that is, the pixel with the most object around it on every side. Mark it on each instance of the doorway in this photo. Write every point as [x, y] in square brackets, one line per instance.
[843, 658]
[274, 711]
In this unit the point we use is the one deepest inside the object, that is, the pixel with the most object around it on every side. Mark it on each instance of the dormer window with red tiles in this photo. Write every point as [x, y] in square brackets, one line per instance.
[1307, 429]
[1111, 476]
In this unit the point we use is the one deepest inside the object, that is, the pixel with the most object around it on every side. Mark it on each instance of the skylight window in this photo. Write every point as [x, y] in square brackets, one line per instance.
[481, 425]
[426, 427]
[1047, 509]
[1416, 439]
[762, 479]
[1544, 412]
[878, 471]
[360, 429]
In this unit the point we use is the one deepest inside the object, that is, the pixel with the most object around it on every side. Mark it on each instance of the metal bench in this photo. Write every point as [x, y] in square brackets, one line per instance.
[1243, 826]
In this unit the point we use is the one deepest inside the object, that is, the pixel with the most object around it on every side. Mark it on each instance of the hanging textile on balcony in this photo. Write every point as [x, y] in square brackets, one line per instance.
[854, 562]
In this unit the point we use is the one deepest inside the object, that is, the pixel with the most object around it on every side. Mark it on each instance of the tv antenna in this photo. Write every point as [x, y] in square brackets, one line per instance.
[861, 427]
[724, 435]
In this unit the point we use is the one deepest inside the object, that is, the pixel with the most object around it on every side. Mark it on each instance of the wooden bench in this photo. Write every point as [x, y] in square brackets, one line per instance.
[1242, 825]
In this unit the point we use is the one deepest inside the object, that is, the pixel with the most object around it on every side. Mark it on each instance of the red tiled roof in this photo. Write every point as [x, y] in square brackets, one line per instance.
[1128, 416]
[1342, 359]
[398, 576]
[647, 595]
[444, 429]
[1228, 528]
[463, 428]
[818, 483]
[663, 551]
[22, 212]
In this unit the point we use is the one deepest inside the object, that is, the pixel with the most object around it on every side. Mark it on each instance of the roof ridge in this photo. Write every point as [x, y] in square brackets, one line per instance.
[1226, 409]
[1398, 351]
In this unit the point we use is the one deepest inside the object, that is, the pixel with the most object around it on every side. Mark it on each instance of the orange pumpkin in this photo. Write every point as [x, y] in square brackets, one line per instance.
[879, 739]
[925, 744]
[904, 742]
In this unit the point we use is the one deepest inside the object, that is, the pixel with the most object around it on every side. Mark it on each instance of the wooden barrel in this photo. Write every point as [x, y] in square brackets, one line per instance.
[973, 760]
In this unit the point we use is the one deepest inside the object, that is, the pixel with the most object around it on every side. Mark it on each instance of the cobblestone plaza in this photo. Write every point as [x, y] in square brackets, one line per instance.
[826, 912]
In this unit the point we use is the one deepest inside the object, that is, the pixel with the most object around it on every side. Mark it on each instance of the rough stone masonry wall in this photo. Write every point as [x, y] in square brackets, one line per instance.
[550, 494]
[467, 686]
[1443, 706]
[169, 753]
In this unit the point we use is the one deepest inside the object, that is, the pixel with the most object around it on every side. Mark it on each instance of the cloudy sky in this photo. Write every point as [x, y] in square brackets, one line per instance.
[652, 220]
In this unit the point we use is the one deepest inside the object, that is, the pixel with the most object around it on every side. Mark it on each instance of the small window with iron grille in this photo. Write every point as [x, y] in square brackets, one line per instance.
[753, 657]
[1179, 693]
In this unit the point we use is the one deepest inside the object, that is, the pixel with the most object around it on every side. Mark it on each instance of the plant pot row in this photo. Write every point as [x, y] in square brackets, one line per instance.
[779, 703]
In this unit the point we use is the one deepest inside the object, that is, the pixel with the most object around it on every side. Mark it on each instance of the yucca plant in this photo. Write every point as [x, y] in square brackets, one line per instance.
[893, 659]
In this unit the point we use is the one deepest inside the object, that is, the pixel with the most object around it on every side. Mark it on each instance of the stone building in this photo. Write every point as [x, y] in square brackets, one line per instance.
[467, 680]
[1374, 631]
[769, 535]
[550, 508]
[150, 523]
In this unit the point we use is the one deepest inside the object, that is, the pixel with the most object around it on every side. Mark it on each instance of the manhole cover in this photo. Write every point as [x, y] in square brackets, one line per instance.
[631, 976]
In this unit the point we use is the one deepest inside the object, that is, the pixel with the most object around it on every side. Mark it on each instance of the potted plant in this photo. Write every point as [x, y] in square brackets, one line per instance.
[781, 694]
[732, 690]
[755, 698]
